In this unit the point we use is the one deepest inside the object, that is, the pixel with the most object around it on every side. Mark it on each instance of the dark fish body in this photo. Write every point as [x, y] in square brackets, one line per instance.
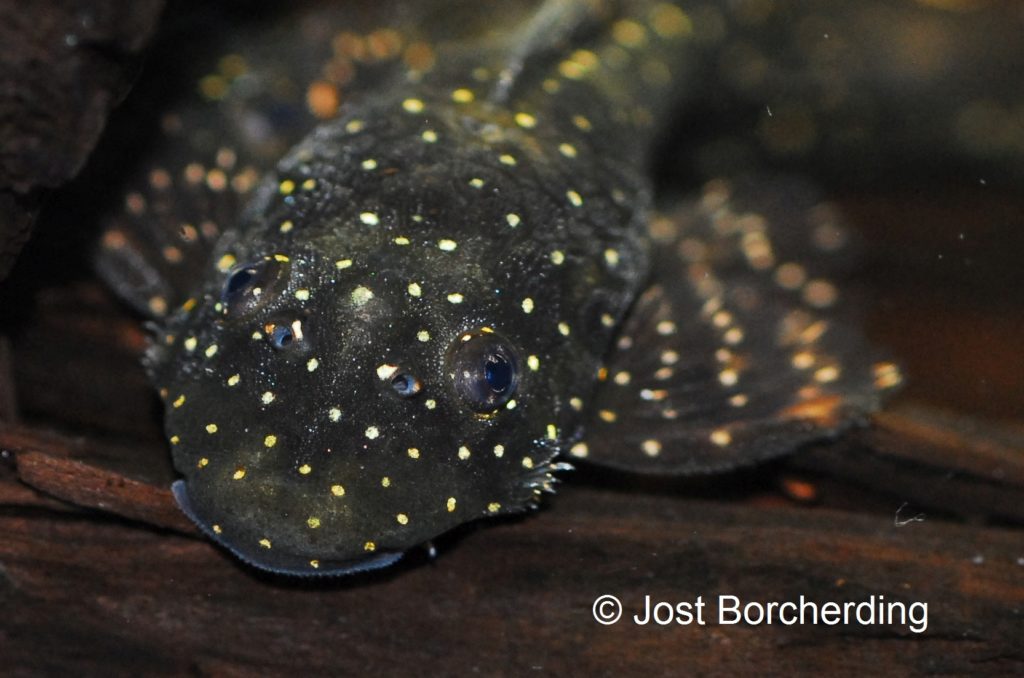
[456, 281]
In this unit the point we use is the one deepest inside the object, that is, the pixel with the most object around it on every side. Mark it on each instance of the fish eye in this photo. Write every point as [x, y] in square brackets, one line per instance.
[486, 370]
[249, 286]
[405, 385]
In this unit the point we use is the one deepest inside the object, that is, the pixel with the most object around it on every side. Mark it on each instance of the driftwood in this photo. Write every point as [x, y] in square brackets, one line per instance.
[99, 569]
[63, 67]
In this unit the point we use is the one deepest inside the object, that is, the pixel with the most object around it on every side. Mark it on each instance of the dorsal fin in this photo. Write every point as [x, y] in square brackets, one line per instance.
[550, 28]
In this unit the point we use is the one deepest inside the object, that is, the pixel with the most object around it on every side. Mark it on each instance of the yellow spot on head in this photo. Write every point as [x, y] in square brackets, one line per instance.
[265, 543]
[464, 453]
[175, 440]
[305, 469]
[226, 262]
[369, 546]
[552, 432]
[527, 305]
[337, 490]
[203, 463]
[527, 462]
[270, 441]
[315, 564]
[238, 474]
[385, 482]
[533, 362]
[579, 450]
[313, 522]
[402, 519]
[493, 507]
[216, 529]
[179, 401]
[499, 451]
[451, 504]
[525, 120]
[413, 453]
[563, 329]
[361, 295]
[512, 220]
[211, 428]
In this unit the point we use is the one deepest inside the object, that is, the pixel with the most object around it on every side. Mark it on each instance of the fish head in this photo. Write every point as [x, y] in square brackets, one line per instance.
[398, 364]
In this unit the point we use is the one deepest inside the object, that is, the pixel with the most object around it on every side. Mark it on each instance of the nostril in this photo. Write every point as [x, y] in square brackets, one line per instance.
[405, 385]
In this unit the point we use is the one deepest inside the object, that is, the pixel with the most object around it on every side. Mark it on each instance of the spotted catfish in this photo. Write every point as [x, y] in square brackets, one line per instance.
[455, 283]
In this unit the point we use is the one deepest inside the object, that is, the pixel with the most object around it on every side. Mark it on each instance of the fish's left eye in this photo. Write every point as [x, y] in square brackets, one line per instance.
[486, 370]
[248, 286]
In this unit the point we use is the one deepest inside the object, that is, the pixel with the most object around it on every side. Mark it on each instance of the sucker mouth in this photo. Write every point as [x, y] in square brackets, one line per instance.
[323, 568]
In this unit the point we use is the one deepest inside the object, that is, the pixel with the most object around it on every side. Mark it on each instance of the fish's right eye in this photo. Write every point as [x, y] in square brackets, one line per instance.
[249, 286]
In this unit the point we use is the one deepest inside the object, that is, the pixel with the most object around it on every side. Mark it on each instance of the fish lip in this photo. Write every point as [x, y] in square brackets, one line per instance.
[326, 569]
